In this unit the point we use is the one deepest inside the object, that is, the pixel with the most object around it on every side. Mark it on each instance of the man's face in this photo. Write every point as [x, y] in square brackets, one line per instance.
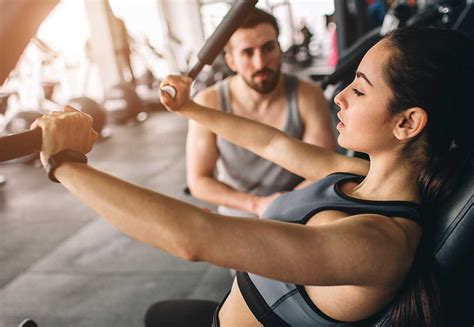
[255, 55]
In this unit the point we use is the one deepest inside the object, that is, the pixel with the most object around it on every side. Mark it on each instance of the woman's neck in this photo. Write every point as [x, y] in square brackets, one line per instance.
[389, 179]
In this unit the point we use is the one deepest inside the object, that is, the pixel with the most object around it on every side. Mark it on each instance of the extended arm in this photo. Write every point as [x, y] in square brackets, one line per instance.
[368, 253]
[362, 250]
[309, 161]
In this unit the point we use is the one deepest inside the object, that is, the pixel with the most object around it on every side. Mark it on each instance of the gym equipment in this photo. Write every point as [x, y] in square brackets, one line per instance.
[18, 123]
[4, 102]
[122, 104]
[218, 39]
[25, 143]
[449, 14]
[92, 108]
[28, 323]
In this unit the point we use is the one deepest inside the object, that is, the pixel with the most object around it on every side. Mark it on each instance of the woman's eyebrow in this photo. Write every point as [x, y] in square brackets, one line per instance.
[360, 74]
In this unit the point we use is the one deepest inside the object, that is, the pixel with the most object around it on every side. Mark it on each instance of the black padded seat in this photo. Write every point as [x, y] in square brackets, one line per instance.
[454, 252]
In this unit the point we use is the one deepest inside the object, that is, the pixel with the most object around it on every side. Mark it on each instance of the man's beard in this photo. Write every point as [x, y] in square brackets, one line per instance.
[267, 85]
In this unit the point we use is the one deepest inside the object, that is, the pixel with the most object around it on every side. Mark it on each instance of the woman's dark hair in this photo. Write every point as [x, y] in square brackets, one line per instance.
[432, 69]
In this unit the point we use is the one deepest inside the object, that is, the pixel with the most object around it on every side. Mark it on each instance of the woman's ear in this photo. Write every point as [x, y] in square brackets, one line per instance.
[410, 123]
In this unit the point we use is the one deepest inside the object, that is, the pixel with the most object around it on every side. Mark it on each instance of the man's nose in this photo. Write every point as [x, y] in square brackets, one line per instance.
[259, 60]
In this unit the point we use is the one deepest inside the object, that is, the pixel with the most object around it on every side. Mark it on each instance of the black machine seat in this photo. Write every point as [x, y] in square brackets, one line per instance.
[454, 252]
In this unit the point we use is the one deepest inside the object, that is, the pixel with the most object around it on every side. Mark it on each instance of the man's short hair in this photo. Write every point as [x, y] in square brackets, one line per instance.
[255, 17]
[258, 16]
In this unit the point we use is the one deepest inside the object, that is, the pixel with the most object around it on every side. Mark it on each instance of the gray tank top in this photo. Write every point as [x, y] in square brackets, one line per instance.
[276, 303]
[246, 171]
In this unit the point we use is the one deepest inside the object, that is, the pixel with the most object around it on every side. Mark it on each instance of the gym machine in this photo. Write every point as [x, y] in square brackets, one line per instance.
[21, 144]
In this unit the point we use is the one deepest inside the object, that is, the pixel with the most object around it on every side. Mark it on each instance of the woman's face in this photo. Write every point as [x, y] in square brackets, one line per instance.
[366, 124]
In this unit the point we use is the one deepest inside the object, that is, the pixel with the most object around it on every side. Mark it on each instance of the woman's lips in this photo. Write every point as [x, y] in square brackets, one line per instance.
[340, 124]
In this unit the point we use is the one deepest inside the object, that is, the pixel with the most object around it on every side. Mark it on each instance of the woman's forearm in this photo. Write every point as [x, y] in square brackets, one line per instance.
[272, 144]
[147, 216]
[249, 134]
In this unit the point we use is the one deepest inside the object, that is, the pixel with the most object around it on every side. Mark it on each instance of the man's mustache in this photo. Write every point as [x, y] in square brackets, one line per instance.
[264, 71]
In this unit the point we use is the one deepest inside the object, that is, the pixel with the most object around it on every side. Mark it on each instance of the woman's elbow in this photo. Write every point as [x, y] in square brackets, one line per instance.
[193, 242]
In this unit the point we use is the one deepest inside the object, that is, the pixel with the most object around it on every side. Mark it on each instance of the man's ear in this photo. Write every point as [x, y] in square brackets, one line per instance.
[410, 123]
[229, 60]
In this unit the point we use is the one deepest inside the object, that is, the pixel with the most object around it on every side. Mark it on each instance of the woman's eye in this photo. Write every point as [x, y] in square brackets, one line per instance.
[357, 92]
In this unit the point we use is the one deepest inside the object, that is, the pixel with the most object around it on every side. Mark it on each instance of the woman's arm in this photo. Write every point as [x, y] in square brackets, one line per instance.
[362, 250]
[358, 250]
[309, 161]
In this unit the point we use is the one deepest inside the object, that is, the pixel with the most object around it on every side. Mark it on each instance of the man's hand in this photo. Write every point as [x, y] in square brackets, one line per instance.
[261, 203]
[182, 86]
[65, 130]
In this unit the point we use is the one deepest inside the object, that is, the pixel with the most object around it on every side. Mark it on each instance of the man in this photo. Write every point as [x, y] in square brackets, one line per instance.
[246, 183]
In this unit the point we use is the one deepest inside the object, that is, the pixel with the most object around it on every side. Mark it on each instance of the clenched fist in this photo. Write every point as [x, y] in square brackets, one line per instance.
[182, 86]
[65, 130]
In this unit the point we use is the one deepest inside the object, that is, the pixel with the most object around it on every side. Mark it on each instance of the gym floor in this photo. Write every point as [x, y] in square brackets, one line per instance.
[62, 265]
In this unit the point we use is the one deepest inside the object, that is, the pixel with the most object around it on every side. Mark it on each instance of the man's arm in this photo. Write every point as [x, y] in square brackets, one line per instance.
[201, 157]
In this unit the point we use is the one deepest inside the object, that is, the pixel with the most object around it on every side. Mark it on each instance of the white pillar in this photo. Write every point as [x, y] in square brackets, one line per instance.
[183, 21]
[101, 43]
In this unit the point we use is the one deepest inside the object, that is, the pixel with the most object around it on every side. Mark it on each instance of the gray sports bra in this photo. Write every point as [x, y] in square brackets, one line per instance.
[276, 303]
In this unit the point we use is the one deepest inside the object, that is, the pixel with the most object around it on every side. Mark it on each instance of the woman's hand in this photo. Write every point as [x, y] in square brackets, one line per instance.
[182, 86]
[65, 130]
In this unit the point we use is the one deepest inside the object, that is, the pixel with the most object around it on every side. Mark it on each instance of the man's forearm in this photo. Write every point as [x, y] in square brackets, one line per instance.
[213, 191]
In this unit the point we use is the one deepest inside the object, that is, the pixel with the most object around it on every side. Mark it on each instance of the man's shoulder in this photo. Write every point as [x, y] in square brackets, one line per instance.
[208, 97]
[310, 96]
[305, 84]
[306, 87]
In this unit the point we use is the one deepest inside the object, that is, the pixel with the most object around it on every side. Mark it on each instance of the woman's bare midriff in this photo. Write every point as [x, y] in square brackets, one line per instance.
[235, 312]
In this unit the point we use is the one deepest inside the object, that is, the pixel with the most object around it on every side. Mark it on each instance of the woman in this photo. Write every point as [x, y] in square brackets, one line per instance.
[343, 249]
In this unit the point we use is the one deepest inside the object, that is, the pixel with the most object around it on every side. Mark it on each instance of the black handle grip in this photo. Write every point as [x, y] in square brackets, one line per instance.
[19, 145]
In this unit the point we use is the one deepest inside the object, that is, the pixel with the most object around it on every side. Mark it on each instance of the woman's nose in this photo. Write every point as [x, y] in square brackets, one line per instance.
[339, 100]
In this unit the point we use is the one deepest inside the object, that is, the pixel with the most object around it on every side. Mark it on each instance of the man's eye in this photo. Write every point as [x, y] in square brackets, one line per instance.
[269, 48]
[357, 92]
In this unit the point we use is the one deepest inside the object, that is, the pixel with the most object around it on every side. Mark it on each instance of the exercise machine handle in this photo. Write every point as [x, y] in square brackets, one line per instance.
[217, 41]
[19, 145]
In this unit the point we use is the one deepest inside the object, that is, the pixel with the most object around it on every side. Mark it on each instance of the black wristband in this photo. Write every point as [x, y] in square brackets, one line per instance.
[56, 160]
